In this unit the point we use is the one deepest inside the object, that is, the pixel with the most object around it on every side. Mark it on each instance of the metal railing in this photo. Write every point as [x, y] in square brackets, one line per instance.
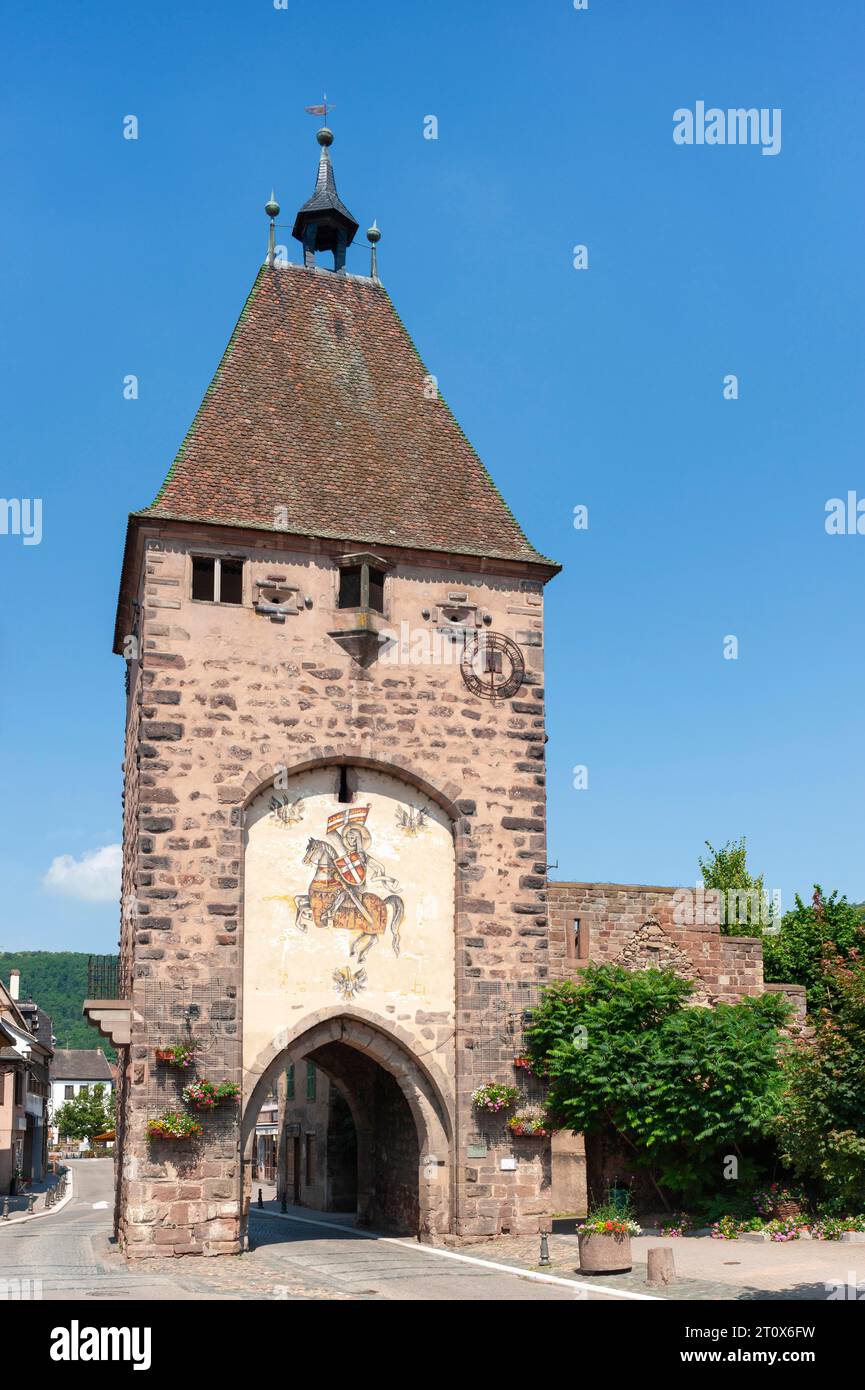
[103, 977]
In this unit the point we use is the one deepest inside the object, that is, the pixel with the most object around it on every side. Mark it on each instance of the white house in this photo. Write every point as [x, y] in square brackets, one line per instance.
[74, 1070]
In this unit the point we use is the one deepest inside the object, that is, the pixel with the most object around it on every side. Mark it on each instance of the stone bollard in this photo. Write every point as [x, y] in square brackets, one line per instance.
[660, 1266]
[5, 1208]
[31, 1201]
[545, 1250]
[49, 1198]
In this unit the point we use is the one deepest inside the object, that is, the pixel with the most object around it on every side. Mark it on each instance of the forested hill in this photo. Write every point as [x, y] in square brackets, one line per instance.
[57, 982]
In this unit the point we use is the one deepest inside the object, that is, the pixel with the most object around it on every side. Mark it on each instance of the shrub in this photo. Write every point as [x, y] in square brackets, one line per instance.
[678, 1085]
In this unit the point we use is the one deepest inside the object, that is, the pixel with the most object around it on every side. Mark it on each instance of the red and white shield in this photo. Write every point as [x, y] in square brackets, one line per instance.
[351, 868]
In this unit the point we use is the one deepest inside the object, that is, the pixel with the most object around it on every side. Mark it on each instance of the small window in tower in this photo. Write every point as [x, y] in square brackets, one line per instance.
[376, 590]
[231, 581]
[217, 580]
[349, 586]
[203, 578]
[345, 793]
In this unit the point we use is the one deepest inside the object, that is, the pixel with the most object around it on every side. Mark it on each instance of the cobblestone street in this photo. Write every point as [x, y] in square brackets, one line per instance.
[311, 1255]
[71, 1257]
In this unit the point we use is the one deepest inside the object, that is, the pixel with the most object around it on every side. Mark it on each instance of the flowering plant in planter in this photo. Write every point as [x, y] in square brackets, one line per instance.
[727, 1228]
[528, 1125]
[595, 1225]
[676, 1225]
[776, 1200]
[605, 1239]
[179, 1054]
[495, 1097]
[833, 1227]
[523, 1064]
[174, 1124]
[785, 1228]
[207, 1095]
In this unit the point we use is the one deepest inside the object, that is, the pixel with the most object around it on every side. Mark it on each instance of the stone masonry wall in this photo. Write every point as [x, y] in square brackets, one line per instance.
[613, 918]
[226, 698]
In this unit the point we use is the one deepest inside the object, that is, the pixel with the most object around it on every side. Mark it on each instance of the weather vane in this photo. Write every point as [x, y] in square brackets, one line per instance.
[320, 110]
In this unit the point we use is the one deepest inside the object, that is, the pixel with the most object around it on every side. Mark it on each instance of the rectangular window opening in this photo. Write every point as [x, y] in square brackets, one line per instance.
[231, 581]
[217, 580]
[349, 586]
[376, 590]
[203, 578]
[310, 1081]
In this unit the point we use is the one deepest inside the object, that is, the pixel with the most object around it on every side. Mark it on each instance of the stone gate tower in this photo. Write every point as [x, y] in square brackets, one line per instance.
[334, 839]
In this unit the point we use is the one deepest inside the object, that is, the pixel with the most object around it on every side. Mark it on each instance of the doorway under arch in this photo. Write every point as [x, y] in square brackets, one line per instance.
[400, 1113]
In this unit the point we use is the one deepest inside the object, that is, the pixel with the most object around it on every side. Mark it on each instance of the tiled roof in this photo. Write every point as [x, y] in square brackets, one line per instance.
[318, 407]
[80, 1064]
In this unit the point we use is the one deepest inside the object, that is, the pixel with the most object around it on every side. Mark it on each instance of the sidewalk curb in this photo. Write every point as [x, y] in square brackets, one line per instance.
[37, 1215]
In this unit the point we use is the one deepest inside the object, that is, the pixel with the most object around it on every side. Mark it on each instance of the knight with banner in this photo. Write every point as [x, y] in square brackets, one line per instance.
[338, 894]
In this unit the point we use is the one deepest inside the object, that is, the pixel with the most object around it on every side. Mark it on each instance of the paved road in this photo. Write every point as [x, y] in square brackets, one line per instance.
[70, 1253]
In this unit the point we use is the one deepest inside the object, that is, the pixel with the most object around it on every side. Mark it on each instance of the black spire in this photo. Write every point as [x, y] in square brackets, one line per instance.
[324, 223]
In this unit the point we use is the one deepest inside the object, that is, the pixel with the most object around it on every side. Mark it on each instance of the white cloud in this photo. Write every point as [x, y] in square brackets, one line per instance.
[94, 878]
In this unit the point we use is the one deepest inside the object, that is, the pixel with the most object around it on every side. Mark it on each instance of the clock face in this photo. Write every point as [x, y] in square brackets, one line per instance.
[493, 666]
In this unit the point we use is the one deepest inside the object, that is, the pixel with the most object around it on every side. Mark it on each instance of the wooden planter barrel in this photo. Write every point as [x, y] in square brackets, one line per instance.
[604, 1254]
[789, 1208]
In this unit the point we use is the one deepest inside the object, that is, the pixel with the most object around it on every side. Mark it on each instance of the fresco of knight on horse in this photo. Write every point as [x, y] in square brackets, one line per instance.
[338, 895]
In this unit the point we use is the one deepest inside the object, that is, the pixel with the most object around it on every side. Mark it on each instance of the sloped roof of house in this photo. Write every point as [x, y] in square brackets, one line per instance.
[321, 406]
[80, 1064]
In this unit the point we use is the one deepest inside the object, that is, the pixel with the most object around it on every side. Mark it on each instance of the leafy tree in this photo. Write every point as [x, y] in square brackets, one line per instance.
[811, 938]
[89, 1113]
[726, 871]
[680, 1085]
[821, 1121]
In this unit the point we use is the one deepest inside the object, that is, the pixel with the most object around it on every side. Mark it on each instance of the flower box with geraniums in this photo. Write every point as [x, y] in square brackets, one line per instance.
[209, 1095]
[527, 1126]
[174, 1124]
[605, 1240]
[524, 1064]
[494, 1097]
[178, 1055]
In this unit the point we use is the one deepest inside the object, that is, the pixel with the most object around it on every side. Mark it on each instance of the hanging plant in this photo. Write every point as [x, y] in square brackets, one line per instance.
[494, 1097]
[174, 1124]
[528, 1126]
[208, 1095]
[524, 1064]
[180, 1054]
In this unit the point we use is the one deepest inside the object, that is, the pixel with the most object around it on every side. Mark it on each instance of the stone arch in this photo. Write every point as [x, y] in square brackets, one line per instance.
[447, 796]
[421, 1081]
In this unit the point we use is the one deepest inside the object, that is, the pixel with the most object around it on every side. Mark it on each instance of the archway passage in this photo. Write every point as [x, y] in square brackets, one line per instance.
[364, 1127]
[351, 1143]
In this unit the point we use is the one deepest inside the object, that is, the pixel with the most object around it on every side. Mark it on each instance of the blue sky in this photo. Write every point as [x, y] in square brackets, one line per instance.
[601, 387]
